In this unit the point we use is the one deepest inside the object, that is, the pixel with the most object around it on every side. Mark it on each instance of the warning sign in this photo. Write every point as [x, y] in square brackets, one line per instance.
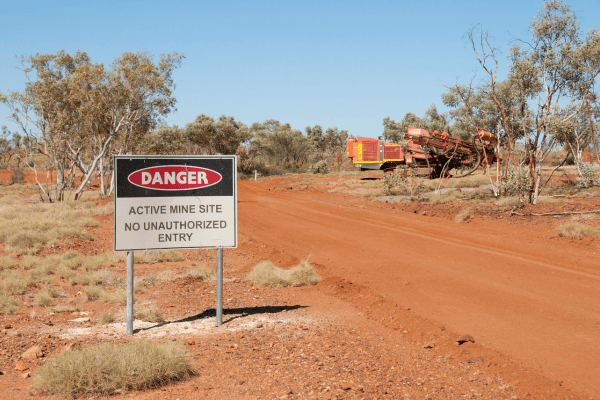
[174, 202]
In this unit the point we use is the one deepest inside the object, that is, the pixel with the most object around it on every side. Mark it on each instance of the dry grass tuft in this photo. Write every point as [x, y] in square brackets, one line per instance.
[106, 318]
[7, 303]
[108, 369]
[7, 262]
[93, 292]
[152, 256]
[576, 229]
[26, 225]
[207, 274]
[85, 279]
[464, 215]
[45, 297]
[148, 314]
[265, 273]
[118, 296]
[166, 276]
[12, 282]
[64, 308]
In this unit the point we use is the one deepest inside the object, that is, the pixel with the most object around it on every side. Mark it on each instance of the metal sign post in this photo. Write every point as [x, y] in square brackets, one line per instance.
[129, 293]
[175, 202]
[219, 287]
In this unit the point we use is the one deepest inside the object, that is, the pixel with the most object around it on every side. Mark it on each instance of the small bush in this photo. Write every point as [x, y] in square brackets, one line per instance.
[65, 308]
[320, 167]
[43, 299]
[17, 175]
[575, 229]
[106, 369]
[84, 279]
[7, 303]
[265, 273]
[148, 314]
[464, 215]
[106, 318]
[25, 226]
[12, 282]
[118, 296]
[7, 262]
[166, 275]
[404, 180]
[591, 176]
[518, 182]
[93, 292]
[110, 279]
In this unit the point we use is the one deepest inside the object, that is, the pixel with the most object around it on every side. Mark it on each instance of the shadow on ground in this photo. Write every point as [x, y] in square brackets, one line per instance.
[237, 312]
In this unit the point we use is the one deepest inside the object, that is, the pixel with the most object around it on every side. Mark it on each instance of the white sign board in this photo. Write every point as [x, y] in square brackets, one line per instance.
[174, 202]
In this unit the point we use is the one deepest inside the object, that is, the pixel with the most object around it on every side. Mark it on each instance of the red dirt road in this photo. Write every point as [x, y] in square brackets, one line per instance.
[518, 290]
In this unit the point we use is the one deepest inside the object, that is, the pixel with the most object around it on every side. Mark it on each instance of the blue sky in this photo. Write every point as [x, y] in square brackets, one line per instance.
[334, 63]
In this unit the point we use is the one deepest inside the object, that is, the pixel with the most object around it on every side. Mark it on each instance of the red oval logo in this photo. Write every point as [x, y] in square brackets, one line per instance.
[174, 177]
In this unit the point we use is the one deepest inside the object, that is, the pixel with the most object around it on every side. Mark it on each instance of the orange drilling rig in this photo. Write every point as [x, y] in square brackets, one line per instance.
[431, 154]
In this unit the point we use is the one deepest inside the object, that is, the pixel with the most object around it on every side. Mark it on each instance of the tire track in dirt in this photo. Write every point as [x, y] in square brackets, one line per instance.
[513, 291]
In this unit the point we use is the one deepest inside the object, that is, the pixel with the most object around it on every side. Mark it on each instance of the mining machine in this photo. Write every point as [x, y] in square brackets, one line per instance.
[430, 154]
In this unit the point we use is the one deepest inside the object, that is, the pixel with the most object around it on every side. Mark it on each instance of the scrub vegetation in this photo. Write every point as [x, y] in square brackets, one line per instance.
[265, 273]
[109, 369]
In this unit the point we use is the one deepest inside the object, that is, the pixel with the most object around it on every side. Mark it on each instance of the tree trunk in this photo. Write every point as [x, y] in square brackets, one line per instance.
[101, 167]
[592, 129]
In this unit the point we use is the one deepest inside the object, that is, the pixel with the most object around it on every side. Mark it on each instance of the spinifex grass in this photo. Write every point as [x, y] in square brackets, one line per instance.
[265, 273]
[106, 369]
[25, 226]
[153, 256]
[576, 229]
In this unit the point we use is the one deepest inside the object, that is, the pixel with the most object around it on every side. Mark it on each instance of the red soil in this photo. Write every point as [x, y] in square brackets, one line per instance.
[401, 284]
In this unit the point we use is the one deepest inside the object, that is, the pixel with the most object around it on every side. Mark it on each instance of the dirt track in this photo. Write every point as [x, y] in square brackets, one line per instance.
[517, 290]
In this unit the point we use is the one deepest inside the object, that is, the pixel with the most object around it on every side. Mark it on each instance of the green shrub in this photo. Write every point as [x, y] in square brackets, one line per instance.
[591, 176]
[107, 369]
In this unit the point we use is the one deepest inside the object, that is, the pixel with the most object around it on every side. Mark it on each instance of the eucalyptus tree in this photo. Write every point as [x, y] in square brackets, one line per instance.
[77, 114]
[551, 75]
[10, 146]
[280, 144]
[224, 136]
[392, 130]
